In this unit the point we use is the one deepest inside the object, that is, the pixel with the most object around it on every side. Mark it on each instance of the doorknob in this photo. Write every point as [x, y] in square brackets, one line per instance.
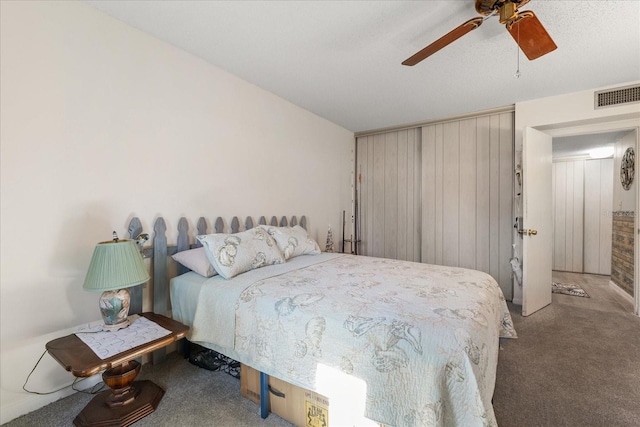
[529, 232]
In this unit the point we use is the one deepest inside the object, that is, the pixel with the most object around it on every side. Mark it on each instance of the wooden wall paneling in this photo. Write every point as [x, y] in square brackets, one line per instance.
[416, 227]
[578, 217]
[402, 184]
[569, 216]
[451, 193]
[467, 194]
[606, 216]
[483, 191]
[378, 208]
[494, 197]
[439, 208]
[553, 210]
[559, 171]
[429, 195]
[592, 216]
[361, 175]
[391, 195]
[505, 218]
[370, 193]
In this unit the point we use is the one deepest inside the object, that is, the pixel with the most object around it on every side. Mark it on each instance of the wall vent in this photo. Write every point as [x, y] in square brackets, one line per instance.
[611, 97]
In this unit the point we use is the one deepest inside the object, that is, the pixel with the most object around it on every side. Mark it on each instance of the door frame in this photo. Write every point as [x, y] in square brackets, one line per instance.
[610, 126]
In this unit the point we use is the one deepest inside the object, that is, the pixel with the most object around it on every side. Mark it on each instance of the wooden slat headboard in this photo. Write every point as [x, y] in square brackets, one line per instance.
[160, 251]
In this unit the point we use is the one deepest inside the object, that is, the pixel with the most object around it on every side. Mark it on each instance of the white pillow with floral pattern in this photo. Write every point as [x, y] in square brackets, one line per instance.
[232, 254]
[293, 241]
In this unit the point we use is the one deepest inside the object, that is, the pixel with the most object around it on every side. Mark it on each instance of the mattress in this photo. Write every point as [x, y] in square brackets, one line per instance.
[423, 339]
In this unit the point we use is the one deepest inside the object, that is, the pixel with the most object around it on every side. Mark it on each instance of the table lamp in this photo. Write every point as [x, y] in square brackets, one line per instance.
[115, 266]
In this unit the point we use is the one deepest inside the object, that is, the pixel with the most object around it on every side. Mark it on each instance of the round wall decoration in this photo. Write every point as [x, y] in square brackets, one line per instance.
[627, 168]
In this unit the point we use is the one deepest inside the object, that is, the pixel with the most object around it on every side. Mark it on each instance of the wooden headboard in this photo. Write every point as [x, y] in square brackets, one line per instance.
[160, 251]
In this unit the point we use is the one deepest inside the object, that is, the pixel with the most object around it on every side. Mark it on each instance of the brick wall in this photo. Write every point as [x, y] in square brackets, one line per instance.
[622, 250]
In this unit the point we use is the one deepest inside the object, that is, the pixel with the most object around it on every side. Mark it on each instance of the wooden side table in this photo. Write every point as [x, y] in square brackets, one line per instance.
[127, 401]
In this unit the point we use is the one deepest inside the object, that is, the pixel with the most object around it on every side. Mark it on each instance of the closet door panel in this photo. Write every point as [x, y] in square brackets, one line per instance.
[402, 213]
[505, 216]
[451, 194]
[391, 196]
[483, 190]
[569, 216]
[467, 173]
[378, 241]
[578, 217]
[592, 217]
[494, 198]
[429, 195]
[559, 171]
[467, 196]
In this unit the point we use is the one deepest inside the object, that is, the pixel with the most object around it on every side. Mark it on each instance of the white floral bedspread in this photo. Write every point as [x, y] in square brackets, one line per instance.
[423, 337]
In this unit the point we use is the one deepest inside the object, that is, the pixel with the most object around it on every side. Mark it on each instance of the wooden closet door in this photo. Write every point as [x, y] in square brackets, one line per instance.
[389, 204]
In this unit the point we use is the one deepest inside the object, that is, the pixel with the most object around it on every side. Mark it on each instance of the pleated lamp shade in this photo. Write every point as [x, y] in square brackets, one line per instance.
[115, 266]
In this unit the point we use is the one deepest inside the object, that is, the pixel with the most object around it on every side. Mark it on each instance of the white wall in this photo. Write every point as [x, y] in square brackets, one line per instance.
[568, 114]
[624, 200]
[101, 122]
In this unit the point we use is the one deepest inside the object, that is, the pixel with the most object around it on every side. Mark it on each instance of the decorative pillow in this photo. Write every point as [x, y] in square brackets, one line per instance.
[196, 260]
[232, 254]
[293, 241]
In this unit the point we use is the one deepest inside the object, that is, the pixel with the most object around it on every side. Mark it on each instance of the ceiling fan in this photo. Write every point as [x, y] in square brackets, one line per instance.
[524, 27]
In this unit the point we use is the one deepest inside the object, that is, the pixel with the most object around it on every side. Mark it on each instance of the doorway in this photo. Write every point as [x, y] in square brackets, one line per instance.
[591, 209]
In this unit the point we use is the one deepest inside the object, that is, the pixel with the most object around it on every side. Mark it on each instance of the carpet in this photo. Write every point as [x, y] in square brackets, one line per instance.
[569, 289]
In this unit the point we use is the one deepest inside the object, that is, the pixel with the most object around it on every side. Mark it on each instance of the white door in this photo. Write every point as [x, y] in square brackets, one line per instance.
[537, 238]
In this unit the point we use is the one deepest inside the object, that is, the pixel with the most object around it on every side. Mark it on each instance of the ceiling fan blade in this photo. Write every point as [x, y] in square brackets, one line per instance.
[528, 32]
[443, 41]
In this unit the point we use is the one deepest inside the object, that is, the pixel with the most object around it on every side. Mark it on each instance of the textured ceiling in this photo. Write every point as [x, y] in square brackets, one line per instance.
[341, 59]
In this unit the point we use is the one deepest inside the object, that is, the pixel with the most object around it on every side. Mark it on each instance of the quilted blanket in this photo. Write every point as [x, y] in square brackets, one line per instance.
[423, 338]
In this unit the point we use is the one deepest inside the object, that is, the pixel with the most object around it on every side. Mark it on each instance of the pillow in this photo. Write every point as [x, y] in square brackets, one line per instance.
[232, 254]
[293, 241]
[196, 260]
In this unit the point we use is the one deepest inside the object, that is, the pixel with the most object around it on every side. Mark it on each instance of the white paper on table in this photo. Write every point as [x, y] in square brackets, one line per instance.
[106, 343]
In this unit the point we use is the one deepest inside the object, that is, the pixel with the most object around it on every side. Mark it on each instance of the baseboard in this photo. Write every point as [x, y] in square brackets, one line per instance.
[621, 291]
[26, 403]
[18, 361]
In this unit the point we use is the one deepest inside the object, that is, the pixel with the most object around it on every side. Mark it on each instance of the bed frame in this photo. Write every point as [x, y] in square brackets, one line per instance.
[159, 254]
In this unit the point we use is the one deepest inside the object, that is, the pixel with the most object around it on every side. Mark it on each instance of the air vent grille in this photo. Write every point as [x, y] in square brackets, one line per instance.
[624, 95]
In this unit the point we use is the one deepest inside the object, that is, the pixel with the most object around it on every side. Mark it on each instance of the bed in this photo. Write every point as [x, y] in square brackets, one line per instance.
[422, 339]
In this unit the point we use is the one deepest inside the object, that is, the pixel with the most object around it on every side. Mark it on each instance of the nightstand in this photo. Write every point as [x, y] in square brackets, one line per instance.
[127, 401]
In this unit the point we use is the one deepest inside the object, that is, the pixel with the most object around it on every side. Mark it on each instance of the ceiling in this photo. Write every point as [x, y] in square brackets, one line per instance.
[342, 59]
[579, 146]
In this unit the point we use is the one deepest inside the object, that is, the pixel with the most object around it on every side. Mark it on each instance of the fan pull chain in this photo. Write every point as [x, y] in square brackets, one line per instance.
[518, 50]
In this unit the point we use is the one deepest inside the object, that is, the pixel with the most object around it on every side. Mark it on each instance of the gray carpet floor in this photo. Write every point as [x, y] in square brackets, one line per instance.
[575, 363]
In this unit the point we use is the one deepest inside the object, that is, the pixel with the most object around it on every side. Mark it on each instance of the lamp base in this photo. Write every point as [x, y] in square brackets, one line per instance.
[114, 306]
[113, 328]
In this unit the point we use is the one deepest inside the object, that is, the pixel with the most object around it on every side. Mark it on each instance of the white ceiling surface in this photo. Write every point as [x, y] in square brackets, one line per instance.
[580, 145]
[341, 59]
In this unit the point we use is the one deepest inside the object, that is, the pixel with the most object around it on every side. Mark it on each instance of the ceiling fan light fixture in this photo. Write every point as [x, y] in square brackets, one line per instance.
[601, 152]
